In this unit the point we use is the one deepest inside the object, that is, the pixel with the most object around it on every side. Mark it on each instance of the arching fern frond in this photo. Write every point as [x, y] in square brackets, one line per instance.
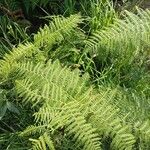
[124, 39]
[32, 130]
[52, 76]
[56, 30]
[105, 118]
[10, 59]
[75, 125]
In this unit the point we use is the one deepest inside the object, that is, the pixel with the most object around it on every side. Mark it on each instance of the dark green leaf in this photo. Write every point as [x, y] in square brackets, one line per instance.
[3, 108]
[11, 107]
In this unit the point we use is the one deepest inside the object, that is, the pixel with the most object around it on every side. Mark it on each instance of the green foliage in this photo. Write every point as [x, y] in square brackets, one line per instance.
[11, 33]
[102, 14]
[56, 31]
[123, 47]
[47, 83]
[124, 36]
[42, 143]
[58, 112]
[6, 105]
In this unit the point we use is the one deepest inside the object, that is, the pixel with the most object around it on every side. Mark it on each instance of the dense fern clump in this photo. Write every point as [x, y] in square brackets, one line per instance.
[71, 109]
[48, 85]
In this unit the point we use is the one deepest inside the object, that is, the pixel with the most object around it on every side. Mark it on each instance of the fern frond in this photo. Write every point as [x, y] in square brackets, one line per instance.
[75, 124]
[142, 131]
[106, 119]
[32, 130]
[54, 92]
[42, 143]
[59, 79]
[24, 90]
[10, 59]
[124, 39]
[19, 52]
[56, 30]
[46, 114]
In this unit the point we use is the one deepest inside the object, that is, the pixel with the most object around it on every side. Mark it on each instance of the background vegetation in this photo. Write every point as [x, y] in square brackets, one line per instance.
[74, 75]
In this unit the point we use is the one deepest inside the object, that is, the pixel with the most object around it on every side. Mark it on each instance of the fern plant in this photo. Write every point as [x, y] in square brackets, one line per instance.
[70, 108]
[124, 36]
[62, 111]
[123, 47]
[66, 109]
